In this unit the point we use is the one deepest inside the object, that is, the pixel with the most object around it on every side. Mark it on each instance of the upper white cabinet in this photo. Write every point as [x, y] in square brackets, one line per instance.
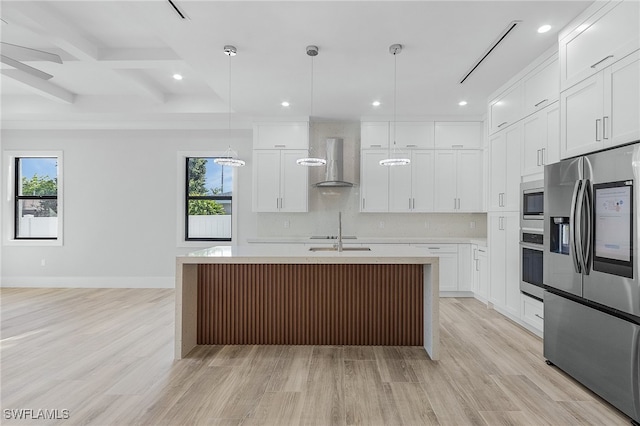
[605, 33]
[542, 87]
[408, 134]
[374, 181]
[281, 135]
[411, 187]
[504, 169]
[506, 109]
[279, 184]
[374, 135]
[602, 110]
[458, 177]
[411, 135]
[458, 135]
[541, 140]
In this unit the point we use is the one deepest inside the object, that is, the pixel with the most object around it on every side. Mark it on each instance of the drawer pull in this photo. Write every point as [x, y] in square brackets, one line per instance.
[541, 102]
[601, 61]
[280, 146]
[539, 316]
[376, 146]
[413, 145]
[457, 146]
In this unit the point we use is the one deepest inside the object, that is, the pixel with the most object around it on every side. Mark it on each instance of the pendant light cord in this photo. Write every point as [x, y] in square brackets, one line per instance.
[229, 98]
[395, 96]
[311, 99]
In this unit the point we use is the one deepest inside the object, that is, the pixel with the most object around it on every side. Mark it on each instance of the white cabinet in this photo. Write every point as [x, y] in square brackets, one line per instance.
[506, 109]
[374, 181]
[458, 177]
[374, 135]
[532, 312]
[541, 140]
[480, 272]
[458, 134]
[465, 268]
[605, 33]
[603, 110]
[281, 135]
[542, 87]
[407, 134]
[411, 187]
[447, 255]
[411, 135]
[504, 169]
[279, 184]
[504, 282]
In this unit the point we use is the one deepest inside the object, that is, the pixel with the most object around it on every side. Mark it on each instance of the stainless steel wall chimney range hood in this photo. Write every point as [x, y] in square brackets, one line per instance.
[333, 172]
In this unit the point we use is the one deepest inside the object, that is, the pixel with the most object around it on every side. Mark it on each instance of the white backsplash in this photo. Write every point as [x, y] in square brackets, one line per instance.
[325, 203]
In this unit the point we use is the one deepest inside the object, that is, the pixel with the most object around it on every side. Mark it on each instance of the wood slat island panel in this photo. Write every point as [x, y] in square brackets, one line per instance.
[317, 304]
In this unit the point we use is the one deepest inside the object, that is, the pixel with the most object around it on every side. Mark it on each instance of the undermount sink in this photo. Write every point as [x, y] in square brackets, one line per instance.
[336, 249]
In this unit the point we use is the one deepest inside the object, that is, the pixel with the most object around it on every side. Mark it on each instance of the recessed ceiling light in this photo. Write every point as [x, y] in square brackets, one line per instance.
[462, 103]
[375, 103]
[285, 104]
[177, 76]
[544, 29]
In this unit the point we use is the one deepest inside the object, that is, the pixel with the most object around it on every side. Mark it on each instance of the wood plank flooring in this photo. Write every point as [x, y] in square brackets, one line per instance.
[106, 356]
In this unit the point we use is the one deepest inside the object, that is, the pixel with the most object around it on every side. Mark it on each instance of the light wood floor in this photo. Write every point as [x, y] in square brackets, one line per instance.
[106, 355]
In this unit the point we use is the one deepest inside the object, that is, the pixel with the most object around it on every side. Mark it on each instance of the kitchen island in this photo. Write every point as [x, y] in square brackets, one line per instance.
[253, 295]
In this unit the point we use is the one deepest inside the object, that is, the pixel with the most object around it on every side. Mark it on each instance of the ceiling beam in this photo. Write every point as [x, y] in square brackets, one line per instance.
[40, 86]
[146, 86]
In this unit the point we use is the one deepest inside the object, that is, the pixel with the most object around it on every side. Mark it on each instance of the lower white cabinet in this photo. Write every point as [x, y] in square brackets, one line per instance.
[480, 271]
[504, 272]
[532, 312]
[455, 262]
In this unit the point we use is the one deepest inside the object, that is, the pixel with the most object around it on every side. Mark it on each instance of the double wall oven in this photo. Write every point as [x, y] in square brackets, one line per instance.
[532, 238]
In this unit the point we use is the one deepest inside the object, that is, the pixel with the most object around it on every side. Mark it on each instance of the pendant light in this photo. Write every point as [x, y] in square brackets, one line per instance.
[395, 158]
[230, 157]
[311, 161]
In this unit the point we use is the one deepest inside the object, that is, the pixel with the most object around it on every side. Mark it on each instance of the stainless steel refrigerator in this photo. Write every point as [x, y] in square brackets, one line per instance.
[591, 268]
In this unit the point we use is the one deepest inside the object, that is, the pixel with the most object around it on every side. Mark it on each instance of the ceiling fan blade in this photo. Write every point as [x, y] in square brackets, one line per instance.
[24, 67]
[27, 53]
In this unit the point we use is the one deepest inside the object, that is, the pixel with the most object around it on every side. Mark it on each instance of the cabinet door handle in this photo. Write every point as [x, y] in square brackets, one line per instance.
[501, 223]
[541, 102]
[409, 203]
[501, 124]
[604, 127]
[475, 254]
[601, 60]
[458, 203]
[363, 204]
[375, 146]
[457, 146]
[413, 203]
[543, 161]
[597, 132]
[454, 204]
[280, 146]
[538, 157]
[477, 267]
[413, 145]
[538, 315]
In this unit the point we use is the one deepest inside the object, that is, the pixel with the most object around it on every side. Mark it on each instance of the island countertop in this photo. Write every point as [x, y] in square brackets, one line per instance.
[258, 295]
[301, 255]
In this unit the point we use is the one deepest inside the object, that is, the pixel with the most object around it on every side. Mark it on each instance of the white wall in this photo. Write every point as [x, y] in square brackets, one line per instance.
[121, 224]
[120, 196]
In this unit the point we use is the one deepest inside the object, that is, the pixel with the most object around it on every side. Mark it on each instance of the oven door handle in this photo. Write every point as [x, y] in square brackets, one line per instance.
[532, 246]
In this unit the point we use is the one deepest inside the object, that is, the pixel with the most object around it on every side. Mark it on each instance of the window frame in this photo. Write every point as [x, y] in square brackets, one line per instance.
[11, 160]
[181, 209]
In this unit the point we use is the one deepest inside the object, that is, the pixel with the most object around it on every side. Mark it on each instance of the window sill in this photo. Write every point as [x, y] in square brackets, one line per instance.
[34, 243]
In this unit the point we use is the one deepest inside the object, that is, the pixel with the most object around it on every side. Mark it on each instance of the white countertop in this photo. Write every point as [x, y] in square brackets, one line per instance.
[297, 254]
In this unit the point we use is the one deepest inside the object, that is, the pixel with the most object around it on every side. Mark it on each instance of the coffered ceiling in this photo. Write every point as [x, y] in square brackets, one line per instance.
[119, 58]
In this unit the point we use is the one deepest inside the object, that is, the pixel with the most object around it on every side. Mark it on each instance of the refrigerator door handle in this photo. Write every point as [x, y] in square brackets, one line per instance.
[574, 238]
[635, 371]
[588, 203]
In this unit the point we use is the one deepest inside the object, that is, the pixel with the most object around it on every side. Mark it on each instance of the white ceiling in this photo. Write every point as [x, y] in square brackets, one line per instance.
[119, 57]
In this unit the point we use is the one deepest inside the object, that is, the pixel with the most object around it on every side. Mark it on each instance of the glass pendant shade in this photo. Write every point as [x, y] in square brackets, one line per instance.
[311, 161]
[229, 158]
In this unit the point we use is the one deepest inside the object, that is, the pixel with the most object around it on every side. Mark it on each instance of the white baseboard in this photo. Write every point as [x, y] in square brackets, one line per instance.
[89, 282]
[456, 294]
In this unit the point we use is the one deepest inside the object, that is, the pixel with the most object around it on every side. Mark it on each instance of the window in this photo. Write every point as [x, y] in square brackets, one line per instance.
[209, 191]
[36, 198]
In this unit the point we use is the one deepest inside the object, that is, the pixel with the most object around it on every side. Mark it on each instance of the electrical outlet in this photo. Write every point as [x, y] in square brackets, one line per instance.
[472, 225]
[381, 224]
[286, 223]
